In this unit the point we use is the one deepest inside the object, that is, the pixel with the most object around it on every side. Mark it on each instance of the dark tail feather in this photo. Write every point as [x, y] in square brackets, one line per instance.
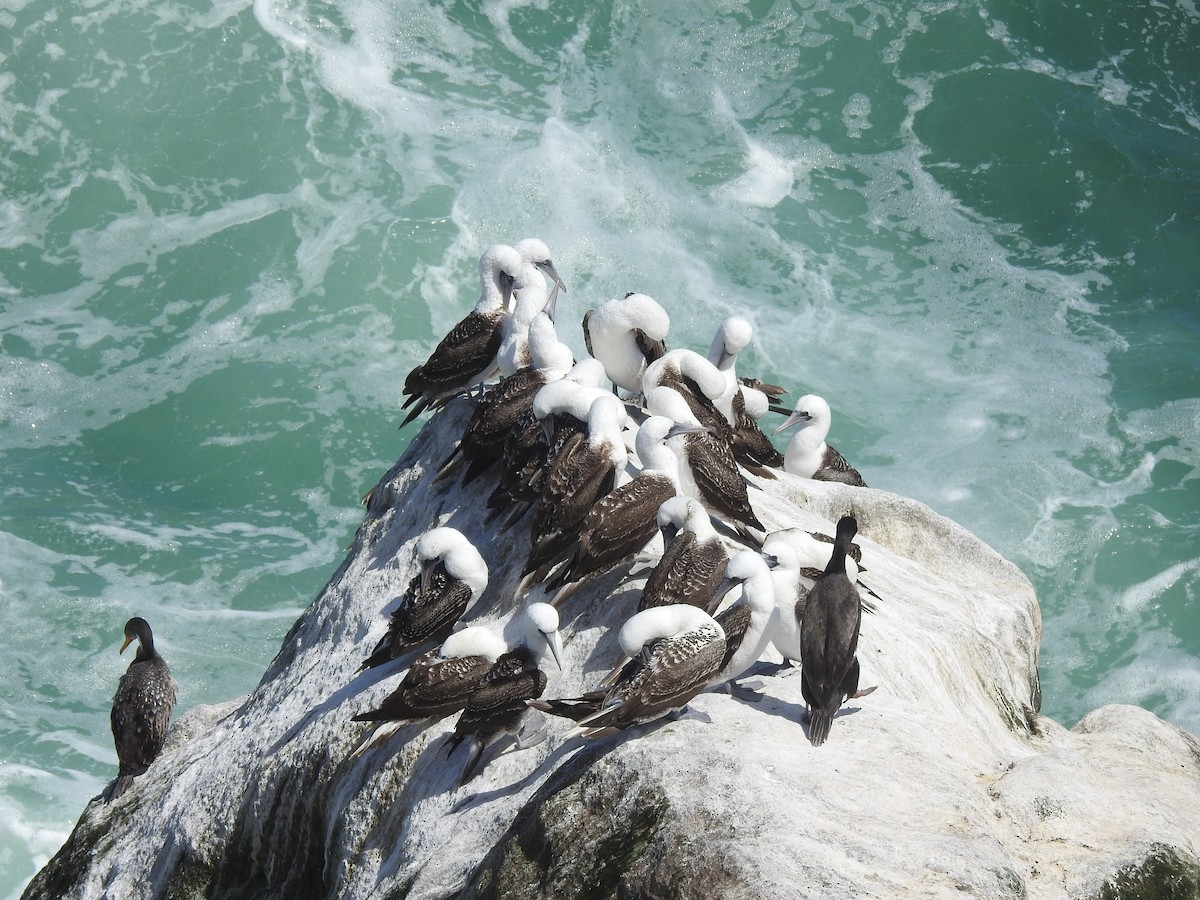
[819, 721]
[473, 764]
[421, 406]
[119, 786]
[575, 709]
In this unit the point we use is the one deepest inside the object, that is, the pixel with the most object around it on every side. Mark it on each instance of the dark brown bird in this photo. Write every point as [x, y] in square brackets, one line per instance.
[829, 638]
[141, 708]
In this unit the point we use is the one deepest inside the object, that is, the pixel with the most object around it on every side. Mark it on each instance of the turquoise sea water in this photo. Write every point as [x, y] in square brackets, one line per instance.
[227, 232]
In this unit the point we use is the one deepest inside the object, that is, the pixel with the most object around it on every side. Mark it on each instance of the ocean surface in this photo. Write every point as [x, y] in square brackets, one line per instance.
[228, 230]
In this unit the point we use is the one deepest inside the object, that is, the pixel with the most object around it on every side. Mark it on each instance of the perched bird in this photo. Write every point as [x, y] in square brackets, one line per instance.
[673, 652]
[529, 301]
[707, 469]
[559, 410]
[452, 577]
[694, 378]
[437, 685]
[503, 405]
[750, 623]
[626, 519]
[587, 468]
[141, 708]
[829, 639]
[738, 403]
[693, 563]
[497, 707]
[807, 453]
[626, 335]
[467, 355]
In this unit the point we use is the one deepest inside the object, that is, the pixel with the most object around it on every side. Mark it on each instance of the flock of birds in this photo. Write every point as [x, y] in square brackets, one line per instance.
[601, 456]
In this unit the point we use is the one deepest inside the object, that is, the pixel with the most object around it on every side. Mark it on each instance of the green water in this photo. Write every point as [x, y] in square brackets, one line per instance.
[228, 231]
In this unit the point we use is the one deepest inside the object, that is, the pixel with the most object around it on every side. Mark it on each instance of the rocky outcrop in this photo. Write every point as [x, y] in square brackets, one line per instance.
[944, 782]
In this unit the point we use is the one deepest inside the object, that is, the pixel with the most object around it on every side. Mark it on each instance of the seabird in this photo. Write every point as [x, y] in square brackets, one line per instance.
[529, 301]
[750, 623]
[467, 355]
[829, 639]
[798, 558]
[707, 469]
[438, 684]
[626, 335]
[626, 519]
[673, 652]
[585, 470]
[452, 577]
[807, 453]
[559, 410]
[498, 705]
[693, 561]
[503, 405]
[749, 441]
[697, 380]
[141, 708]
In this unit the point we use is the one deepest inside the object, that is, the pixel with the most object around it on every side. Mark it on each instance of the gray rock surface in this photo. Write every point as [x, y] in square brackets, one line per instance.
[942, 783]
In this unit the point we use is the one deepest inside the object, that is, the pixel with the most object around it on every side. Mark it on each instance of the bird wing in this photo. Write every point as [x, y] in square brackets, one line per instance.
[465, 352]
[718, 479]
[835, 468]
[620, 524]
[735, 622]
[689, 572]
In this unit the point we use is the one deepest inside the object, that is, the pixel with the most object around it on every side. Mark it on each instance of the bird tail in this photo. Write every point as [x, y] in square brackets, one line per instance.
[119, 786]
[572, 708]
[819, 721]
[374, 736]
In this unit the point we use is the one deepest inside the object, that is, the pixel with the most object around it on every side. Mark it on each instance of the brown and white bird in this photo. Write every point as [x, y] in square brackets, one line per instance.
[585, 470]
[437, 685]
[626, 519]
[739, 403]
[750, 622]
[626, 335]
[467, 355]
[807, 453]
[451, 579]
[498, 706]
[707, 468]
[673, 652]
[141, 708]
[693, 563]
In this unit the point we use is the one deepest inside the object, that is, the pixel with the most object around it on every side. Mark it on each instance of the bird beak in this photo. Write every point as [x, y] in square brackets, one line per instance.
[727, 584]
[551, 303]
[771, 560]
[680, 428]
[547, 267]
[795, 418]
[506, 288]
[555, 642]
[128, 641]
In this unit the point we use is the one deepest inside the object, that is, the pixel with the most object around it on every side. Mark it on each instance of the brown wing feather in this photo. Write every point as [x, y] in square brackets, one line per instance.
[835, 468]
[675, 669]
[464, 353]
[621, 524]
[718, 479]
[689, 572]
[734, 621]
